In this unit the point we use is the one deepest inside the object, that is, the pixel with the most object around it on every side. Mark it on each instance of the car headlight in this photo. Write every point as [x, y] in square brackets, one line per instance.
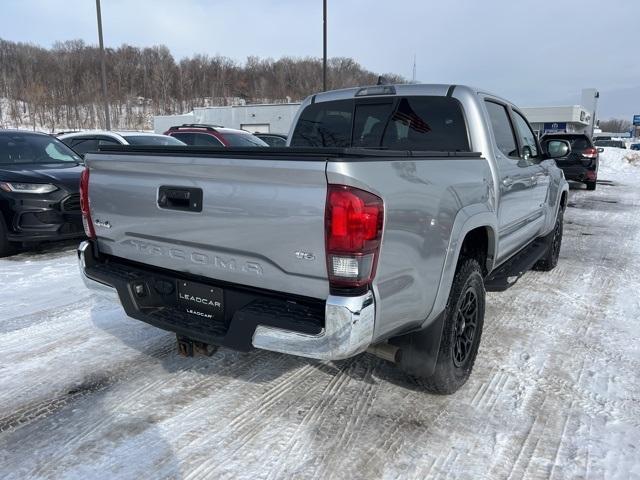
[19, 187]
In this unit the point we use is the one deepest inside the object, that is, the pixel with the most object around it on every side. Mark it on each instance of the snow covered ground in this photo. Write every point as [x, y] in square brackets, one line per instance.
[88, 393]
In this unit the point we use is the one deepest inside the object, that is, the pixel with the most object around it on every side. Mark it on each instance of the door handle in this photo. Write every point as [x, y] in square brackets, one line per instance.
[180, 198]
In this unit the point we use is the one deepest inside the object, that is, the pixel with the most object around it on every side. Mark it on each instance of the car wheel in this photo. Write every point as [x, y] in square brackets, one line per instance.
[590, 185]
[462, 329]
[6, 247]
[550, 258]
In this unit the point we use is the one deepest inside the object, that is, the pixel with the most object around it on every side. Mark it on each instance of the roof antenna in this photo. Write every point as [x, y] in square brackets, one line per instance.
[382, 80]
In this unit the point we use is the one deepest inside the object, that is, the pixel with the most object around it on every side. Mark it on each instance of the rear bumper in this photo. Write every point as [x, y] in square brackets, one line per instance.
[348, 331]
[339, 328]
[578, 173]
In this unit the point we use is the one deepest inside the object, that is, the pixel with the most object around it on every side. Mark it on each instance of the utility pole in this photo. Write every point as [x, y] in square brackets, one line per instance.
[324, 45]
[104, 68]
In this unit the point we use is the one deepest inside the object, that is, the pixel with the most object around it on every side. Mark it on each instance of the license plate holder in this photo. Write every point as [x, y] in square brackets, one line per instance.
[201, 300]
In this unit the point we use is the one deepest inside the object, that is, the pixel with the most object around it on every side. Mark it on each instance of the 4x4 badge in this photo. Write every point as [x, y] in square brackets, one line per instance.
[305, 256]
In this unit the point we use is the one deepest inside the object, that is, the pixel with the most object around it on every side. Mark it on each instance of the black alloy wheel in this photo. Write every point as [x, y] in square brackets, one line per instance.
[466, 324]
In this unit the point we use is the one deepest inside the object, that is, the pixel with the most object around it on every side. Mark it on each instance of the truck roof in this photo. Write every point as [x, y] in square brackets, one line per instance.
[404, 89]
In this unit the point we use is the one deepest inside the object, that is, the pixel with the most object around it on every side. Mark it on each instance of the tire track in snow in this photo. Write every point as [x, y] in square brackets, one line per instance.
[320, 404]
[83, 432]
[245, 426]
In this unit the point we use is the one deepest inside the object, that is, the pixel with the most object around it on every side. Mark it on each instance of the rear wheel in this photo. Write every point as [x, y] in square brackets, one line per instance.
[550, 258]
[590, 185]
[462, 329]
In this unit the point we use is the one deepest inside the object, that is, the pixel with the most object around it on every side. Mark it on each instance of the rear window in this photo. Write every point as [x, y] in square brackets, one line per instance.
[610, 143]
[151, 140]
[243, 140]
[406, 123]
[578, 142]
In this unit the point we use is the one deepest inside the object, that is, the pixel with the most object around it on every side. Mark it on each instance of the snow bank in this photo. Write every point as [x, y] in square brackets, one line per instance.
[618, 160]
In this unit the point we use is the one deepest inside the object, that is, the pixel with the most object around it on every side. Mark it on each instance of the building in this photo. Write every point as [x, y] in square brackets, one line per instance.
[560, 119]
[261, 118]
[566, 119]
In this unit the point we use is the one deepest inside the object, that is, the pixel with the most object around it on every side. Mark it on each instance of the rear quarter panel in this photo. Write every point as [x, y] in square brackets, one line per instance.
[422, 199]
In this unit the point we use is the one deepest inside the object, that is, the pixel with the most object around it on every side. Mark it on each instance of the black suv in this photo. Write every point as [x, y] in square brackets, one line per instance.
[581, 165]
[39, 190]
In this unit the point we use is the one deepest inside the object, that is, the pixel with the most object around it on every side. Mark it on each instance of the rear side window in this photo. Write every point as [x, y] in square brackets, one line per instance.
[502, 130]
[406, 123]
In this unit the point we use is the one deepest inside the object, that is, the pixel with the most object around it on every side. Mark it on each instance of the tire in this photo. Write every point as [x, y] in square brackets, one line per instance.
[462, 329]
[590, 185]
[6, 247]
[550, 258]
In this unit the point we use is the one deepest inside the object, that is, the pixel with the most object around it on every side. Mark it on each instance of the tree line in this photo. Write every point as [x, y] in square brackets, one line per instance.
[615, 125]
[59, 88]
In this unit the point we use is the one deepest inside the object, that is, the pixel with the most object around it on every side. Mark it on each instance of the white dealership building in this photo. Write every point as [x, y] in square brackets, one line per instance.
[259, 118]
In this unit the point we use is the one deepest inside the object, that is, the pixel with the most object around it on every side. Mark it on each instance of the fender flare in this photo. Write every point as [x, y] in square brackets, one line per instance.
[467, 219]
[419, 349]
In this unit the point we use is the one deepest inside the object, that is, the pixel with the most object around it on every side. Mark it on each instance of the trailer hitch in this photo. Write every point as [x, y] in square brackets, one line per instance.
[187, 347]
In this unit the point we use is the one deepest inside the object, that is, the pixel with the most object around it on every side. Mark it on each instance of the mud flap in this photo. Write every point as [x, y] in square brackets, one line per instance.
[419, 350]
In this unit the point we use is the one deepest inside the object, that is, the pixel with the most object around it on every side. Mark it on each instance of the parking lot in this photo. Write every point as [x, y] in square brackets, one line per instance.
[87, 393]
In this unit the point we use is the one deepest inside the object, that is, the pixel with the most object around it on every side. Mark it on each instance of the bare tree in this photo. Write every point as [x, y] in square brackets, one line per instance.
[59, 88]
[615, 125]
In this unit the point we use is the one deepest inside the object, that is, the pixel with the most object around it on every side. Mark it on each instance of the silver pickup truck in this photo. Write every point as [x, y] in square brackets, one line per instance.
[378, 228]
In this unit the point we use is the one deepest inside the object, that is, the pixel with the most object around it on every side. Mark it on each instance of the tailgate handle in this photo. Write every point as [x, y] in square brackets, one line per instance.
[186, 199]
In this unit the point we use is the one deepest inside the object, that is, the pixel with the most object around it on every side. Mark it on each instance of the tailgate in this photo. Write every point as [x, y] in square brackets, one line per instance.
[259, 223]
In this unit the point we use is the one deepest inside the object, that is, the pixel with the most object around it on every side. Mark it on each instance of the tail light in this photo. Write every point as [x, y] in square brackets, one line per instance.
[590, 152]
[84, 204]
[353, 232]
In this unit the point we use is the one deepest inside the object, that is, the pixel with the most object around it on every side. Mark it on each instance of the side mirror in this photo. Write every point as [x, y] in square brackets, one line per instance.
[558, 148]
[600, 149]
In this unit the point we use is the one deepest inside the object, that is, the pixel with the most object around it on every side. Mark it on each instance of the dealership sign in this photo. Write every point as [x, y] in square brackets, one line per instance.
[636, 119]
[555, 127]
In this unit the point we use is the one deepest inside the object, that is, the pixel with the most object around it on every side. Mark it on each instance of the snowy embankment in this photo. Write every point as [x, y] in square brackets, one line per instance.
[617, 161]
[86, 392]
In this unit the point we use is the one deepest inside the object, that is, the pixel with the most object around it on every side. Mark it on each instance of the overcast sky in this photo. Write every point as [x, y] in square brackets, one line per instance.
[532, 52]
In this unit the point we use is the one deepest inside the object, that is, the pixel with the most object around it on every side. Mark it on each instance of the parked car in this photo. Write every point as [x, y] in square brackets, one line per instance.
[610, 143]
[214, 136]
[582, 164]
[273, 139]
[378, 229]
[90, 141]
[39, 182]
[635, 146]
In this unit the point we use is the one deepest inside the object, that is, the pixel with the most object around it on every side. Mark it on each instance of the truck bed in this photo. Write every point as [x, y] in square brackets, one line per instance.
[261, 218]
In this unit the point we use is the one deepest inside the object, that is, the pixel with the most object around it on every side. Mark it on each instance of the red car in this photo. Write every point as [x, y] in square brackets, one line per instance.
[214, 136]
